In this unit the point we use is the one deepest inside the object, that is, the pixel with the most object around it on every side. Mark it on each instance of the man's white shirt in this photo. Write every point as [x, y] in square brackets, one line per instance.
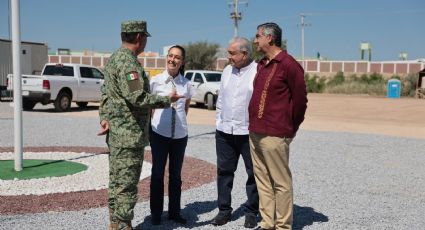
[161, 119]
[232, 104]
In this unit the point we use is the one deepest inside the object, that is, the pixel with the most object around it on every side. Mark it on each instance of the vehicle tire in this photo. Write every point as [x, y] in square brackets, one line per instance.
[82, 104]
[27, 105]
[62, 102]
[209, 101]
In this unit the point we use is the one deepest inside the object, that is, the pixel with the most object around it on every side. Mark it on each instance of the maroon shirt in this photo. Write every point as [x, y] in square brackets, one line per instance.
[279, 98]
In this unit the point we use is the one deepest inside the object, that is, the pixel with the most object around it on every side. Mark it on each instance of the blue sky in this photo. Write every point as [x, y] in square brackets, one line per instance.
[337, 26]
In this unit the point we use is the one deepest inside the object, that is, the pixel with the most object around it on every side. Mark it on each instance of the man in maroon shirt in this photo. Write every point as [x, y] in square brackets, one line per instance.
[276, 110]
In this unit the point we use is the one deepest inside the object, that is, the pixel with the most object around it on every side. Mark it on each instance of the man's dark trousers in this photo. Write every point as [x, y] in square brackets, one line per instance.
[229, 147]
[173, 149]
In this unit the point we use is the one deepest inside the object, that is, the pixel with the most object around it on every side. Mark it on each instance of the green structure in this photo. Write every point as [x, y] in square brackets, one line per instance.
[39, 169]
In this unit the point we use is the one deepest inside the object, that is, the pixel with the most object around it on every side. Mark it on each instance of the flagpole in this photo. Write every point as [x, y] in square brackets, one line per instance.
[17, 88]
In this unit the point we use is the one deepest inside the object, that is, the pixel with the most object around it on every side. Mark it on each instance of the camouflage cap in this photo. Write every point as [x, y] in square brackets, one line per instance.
[134, 26]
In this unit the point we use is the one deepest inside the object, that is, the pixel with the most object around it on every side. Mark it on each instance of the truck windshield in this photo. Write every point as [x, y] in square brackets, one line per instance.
[213, 77]
[57, 70]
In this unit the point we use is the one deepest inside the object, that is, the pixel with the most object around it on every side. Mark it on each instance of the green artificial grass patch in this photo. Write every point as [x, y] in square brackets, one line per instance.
[39, 169]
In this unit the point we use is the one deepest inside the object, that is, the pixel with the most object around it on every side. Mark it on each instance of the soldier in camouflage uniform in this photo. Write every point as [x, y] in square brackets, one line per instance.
[125, 116]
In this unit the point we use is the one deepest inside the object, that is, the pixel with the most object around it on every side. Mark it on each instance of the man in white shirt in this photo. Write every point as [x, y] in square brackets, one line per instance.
[232, 135]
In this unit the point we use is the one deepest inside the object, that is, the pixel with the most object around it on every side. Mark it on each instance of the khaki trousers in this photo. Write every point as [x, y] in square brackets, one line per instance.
[270, 158]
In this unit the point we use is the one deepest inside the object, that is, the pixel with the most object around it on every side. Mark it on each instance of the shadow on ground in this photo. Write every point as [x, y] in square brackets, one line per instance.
[190, 212]
[72, 109]
[303, 216]
[306, 216]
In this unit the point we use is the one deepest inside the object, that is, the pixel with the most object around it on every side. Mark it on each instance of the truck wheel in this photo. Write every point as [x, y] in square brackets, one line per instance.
[62, 102]
[27, 105]
[82, 104]
[209, 101]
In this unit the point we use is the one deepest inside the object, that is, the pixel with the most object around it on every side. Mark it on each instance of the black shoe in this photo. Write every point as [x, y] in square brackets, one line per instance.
[177, 218]
[156, 220]
[250, 220]
[221, 219]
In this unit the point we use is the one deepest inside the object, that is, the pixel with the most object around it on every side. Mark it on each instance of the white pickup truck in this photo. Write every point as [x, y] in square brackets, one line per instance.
[61, 84]
[207, 86]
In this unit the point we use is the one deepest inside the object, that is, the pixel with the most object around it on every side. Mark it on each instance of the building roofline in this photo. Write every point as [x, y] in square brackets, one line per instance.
[32, 43]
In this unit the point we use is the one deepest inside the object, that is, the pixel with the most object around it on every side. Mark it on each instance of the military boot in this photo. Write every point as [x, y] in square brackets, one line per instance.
[111, 212]
[120, 225]
[112, 221]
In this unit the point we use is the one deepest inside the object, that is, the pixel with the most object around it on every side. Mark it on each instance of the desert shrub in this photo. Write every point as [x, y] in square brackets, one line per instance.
[370, 79]
[373, 84]
[365, 84]
[336, 80]
[353, 77]
[408, 85]
[314, 84]
[353, 87]
[376, 78]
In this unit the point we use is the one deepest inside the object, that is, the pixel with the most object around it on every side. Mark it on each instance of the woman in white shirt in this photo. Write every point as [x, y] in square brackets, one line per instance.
[168, 137]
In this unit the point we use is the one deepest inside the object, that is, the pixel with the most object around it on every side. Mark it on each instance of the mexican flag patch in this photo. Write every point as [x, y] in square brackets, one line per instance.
[132, 76]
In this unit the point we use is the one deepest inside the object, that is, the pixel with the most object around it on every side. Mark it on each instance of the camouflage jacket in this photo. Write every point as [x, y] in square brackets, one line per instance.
[126, 101]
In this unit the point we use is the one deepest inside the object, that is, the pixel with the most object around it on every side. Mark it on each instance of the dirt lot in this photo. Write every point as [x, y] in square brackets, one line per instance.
[330, 112]
[364, 114]
[360, 114]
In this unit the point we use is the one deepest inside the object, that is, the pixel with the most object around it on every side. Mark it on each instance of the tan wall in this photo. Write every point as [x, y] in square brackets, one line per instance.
[324, 68]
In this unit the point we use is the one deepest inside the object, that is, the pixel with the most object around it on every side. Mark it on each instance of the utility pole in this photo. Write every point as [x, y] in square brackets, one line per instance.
[235, 15]
[302, 34]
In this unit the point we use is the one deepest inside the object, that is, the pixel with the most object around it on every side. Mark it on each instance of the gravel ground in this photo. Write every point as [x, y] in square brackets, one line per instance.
[95, 177]
[341, 180]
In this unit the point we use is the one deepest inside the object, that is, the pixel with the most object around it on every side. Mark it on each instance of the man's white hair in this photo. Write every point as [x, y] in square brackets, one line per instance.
[244, 44]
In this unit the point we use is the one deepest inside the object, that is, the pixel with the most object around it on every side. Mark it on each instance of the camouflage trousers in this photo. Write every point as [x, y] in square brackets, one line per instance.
[125, 165]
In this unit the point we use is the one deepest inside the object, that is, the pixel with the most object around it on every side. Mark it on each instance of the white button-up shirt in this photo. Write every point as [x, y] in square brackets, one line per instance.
[232, 104]
[161, 119]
